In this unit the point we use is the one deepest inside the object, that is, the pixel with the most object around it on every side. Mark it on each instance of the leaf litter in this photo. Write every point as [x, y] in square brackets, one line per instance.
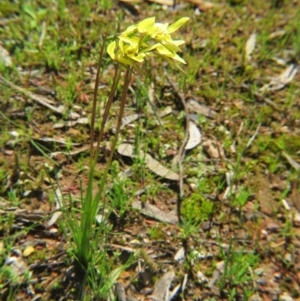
[126, 149]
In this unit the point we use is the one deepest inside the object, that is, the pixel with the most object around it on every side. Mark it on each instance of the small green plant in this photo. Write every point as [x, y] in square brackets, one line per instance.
[237, 272]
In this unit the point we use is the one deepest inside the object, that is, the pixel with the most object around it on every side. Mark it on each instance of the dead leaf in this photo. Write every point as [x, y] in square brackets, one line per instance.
[55, 140]
[126, 149]
[194, 136]
[71, 123]
[173, 293]
[196, 107]
[214, 149]
[202, 5]
[281, 80]
[5, 58]
[295, 195]
[130, 118]
[293, 163]
[276, 34]
[250, 45]
[166, 111]
[162, 285]
[153, 212]
[179, 254]
[58, 205]
[163, 2]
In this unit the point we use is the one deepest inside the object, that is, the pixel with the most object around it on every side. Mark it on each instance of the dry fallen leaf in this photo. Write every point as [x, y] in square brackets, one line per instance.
[55, 140]
[58, 205]
[194, 106]
[293, 163]
[179, 254]
[126, 149]
[250, 45]
[130, 118]
[153, 212]
[281, 80]
[5, 58]
[194, 136]
[202, 5]
[162, 285]
[163, 2]
[214, 149]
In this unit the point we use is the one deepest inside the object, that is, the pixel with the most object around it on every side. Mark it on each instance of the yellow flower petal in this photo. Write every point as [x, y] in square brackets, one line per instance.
[146, 24]
[173, 27]
[149, 49]
[139, 58]
[162, 50]
[111, 49]
[129, 30]
[177, 58]
[130, 40]
[171, 47]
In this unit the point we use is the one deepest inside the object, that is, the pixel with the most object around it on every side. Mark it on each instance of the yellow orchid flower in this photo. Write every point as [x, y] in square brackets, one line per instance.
[144, 39]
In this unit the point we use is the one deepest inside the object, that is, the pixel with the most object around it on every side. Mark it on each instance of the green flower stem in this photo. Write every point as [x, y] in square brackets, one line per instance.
[95, 102]
[107, 108]
[128, 75]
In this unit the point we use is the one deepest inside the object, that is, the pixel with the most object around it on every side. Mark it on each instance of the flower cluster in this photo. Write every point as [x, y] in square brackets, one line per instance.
[145, 39]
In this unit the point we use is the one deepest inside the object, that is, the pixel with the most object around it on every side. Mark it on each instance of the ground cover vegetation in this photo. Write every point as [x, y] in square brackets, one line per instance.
[149, 150]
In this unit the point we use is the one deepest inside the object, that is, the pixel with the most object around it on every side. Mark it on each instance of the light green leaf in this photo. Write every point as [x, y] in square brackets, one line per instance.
[173, 27]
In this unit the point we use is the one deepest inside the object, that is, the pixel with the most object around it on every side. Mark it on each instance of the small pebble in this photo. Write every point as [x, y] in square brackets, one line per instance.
[206, 226]
[288, 257]
[273, 227]
[277, 276]
[296, 219]
[201, 277]
[259, 271]
[261, 281]
[220, 266]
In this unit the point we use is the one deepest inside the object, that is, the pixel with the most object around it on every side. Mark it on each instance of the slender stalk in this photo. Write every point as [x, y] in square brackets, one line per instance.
[121, 112]
[92, 132]
[106, 111]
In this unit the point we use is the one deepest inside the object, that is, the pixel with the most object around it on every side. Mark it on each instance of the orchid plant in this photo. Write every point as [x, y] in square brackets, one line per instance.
[128, 49]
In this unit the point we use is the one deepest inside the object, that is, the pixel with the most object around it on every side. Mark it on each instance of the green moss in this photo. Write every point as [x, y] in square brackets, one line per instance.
[197, 208]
